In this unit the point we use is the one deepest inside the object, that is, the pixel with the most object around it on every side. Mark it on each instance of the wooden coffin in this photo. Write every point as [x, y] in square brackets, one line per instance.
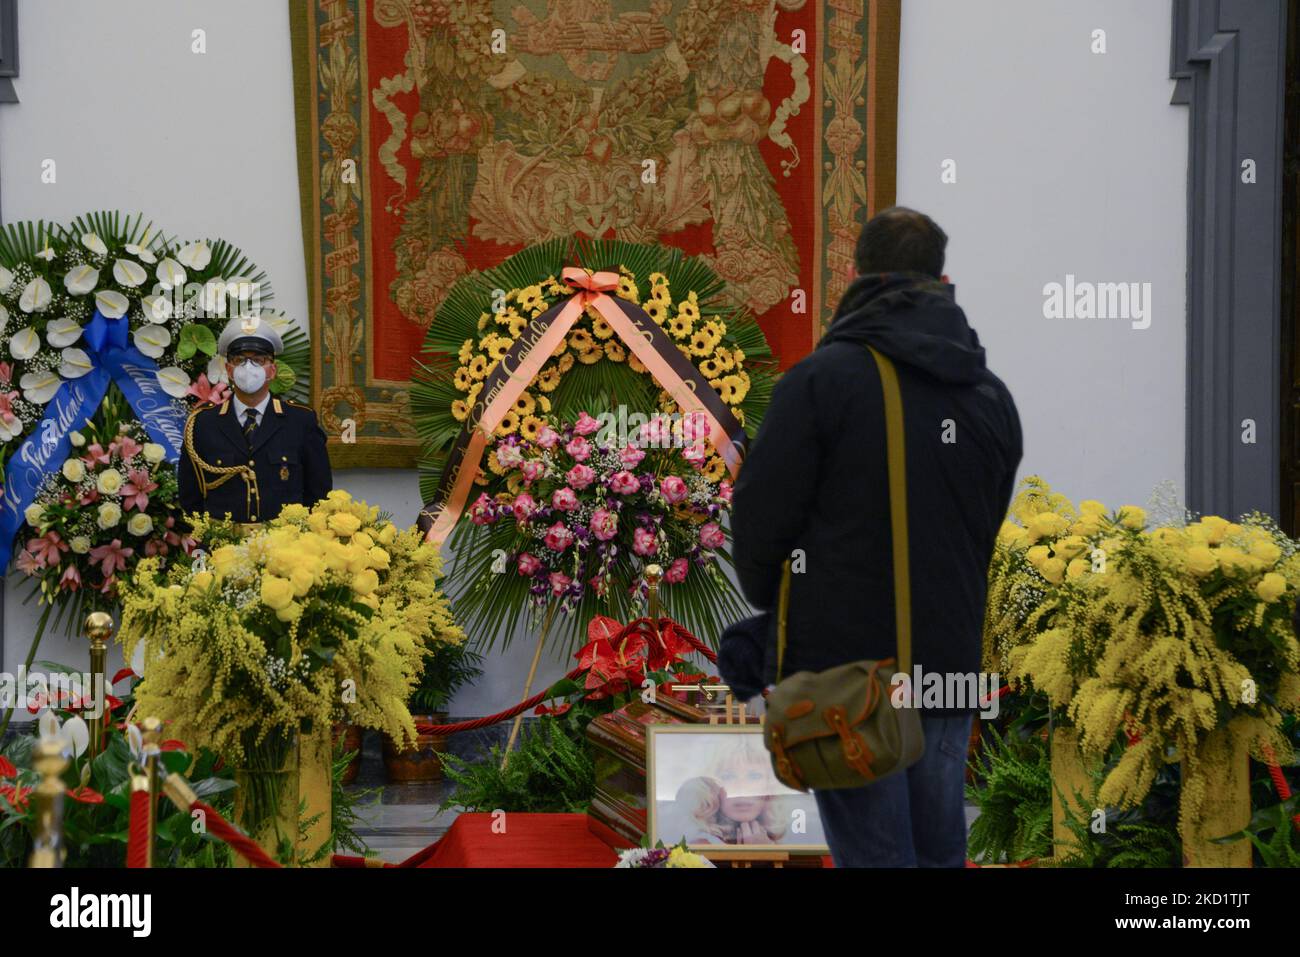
[618, 744]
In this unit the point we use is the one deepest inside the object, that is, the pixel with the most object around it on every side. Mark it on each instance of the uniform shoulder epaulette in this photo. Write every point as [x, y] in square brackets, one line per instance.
[298, 405]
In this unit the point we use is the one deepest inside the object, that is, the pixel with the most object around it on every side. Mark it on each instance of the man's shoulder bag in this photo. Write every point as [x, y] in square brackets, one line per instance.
[837, 728]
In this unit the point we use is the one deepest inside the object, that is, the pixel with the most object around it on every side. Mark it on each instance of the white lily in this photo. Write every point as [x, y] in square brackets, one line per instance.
[112, 303]
[6, 279]
[76, 363]
[152, 340]
[170, 273]
[196, 255]
[24, 344]
[80, 280]
[216, 370]
[142, 253]
[62, 332]
[157, 308]
[39, 387]
[96, 245]
[174, 381]
[128, 272]
[37, 294]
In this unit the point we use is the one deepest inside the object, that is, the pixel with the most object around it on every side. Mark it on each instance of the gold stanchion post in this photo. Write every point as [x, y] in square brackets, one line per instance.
[98, 628]
[151, 732]
[49, 761]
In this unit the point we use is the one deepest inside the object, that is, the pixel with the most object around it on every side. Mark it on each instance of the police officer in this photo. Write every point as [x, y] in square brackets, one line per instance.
[253, 454]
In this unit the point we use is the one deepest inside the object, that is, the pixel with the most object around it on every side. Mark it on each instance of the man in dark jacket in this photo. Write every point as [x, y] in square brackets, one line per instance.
[815, 489]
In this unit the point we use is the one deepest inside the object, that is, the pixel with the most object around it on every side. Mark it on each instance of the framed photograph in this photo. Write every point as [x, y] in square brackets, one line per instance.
[712, 786]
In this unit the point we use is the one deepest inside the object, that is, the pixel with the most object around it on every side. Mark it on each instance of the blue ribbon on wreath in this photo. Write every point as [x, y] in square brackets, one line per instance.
[113, 359]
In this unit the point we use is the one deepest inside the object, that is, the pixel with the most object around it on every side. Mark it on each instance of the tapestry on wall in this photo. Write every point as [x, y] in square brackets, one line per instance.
[438, 137]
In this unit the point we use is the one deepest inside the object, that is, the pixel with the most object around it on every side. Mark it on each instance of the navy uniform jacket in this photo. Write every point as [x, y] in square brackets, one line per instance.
[286, 453]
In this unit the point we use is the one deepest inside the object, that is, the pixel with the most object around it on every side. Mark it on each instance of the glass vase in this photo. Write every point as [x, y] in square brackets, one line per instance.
[266, 800]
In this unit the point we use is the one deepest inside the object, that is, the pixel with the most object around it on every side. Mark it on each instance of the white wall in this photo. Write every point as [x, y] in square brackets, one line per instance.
[1067, 162]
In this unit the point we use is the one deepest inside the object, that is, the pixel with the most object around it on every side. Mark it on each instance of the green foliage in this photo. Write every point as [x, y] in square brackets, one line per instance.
[1014, 797]
[1144, 836]
[448, 667]
[548, 772]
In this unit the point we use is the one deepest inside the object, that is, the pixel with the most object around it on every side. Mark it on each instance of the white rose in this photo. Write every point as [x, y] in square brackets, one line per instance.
[140, 524]
[154, 453]
[110, 513]
[74, 470]
[34, 513]
[77, 439]
[109, 481]
[80, 544]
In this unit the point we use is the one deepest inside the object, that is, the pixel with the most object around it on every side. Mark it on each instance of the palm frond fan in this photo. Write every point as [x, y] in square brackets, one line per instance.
[592, 372]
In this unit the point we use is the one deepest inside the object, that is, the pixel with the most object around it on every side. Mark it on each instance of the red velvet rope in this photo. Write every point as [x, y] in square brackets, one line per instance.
[537, 699]
[1279, 782]
[240, 843]
[137, 844]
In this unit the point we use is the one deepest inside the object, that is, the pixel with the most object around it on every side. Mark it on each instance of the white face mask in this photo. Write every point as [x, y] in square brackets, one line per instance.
[249, 377]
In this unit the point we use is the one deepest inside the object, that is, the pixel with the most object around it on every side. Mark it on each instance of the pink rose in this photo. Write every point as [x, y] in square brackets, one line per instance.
[532, 470]
[631, 456]
[509, 455]
[677, 571]
[548, 437]
[695, 454]
[724, 491]
[480, 513]
[695, 425]
[523, 507]
[604, 524]
[585, 425]
[624, 483]
[643, 542]
[674, 489]
[565, 499]
[711, 535]
[560, 583]
[655, 434]
[558, 537]
[579, 448]
[580, 476]
[529, 565]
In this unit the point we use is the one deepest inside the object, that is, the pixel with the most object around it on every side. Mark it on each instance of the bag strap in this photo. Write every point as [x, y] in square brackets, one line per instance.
[896, 461]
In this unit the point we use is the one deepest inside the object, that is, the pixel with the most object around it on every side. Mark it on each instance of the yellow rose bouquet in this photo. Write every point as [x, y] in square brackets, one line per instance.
[1166, 634]
[321, 616]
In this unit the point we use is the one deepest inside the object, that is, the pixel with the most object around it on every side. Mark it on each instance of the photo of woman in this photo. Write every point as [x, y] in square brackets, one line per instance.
[714, 786]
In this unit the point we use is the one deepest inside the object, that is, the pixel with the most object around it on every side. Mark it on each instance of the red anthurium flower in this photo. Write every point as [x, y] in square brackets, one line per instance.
[171, 744]
[86, 795]
[558, 710]
[15, 795]
[124, 673]
[7, 769]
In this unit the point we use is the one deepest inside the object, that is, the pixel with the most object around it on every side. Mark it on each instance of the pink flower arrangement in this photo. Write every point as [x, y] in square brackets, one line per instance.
[588, 514]
[91, 538]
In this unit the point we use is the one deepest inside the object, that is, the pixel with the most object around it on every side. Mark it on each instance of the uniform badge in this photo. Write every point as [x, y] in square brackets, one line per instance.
[284, 473]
